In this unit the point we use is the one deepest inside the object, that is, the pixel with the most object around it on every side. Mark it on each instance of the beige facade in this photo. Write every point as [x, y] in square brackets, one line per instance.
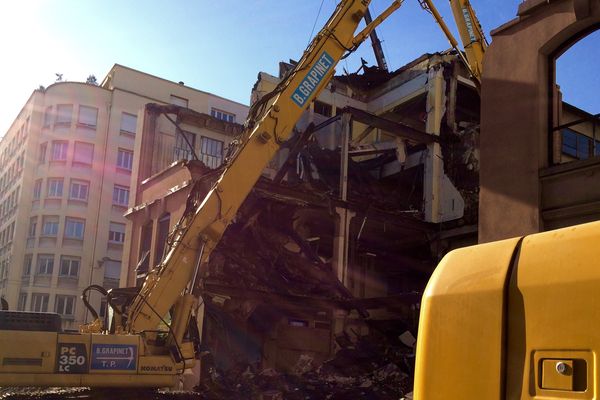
[66, 168]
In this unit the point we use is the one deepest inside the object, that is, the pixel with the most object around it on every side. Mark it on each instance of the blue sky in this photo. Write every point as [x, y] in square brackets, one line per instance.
[216, 46]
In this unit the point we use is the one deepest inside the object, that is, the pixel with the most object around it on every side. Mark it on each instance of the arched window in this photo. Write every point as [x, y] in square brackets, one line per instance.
[576, 100]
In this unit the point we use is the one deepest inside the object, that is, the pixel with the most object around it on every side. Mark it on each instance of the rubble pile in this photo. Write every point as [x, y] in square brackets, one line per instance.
[369, 369]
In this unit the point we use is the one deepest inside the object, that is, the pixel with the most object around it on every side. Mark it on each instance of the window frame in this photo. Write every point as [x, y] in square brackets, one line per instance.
[37, 189]
[47, 117]
[209, 159]
[27, 264]
[124, 116]
[22, 301]
[179, 101]
[120, 189]
[44, 300]
[32, 229]
[47, 267]
[43, 150]
[71, 260]
[87, 124]
[63, 149]
[322, 108]
[124, 155]
[55, 184]
[81, 183]
[222, 115]
[50, 219]
[116, 234]
[67, 121]
[72, 226]
[181, 150]
[65, 299]
[83, 161]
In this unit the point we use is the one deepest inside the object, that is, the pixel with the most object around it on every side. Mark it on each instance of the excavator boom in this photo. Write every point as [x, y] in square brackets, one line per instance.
[134, 351]
[472, 36]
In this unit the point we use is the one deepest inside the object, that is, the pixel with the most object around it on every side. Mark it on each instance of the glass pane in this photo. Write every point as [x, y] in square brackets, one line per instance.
[88, 115]
[128, 122]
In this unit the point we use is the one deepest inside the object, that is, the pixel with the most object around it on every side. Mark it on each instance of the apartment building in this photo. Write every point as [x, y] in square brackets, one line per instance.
[66, 166]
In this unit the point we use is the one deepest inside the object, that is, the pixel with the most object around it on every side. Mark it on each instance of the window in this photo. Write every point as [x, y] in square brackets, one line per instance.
[128, 123]
[162, 233]
[112, 269]
[116, 233]
[222, 115]
[322, 108]
[42, 154]
[11, 232]
[576, 144]
[48, 117]
[183, 150]
[574, 104]
[55, 187]
[74, 228]
[50, 226]
[27, 262]
[125, 159]
[22, 303]
[63, 114]
[39, 302]
[45, 264]
[300, 323]
[145, 247]
[84, 153]
[211, 152]
[32, 227]
[179, 101]
[69, 267]
[37, 189]
[79, 190]
[121, 195]
[88, 116]
[59, 151]
[102, 310]
[64, 305]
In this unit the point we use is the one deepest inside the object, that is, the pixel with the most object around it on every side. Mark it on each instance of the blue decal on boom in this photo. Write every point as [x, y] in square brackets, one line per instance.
[114, 357]
[314, 77]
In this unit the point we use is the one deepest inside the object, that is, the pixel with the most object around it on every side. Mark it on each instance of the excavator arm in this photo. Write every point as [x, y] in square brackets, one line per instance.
[472, 36]
[135, 351]
[270, 123]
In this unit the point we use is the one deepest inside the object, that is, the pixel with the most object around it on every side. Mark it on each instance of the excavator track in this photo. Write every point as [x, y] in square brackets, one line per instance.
[78, 393]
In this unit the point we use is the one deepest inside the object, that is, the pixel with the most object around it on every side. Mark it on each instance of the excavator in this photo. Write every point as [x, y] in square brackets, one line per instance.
[150, 336]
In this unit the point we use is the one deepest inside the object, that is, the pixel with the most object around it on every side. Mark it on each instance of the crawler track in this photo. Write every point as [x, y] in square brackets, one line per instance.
[92, 394]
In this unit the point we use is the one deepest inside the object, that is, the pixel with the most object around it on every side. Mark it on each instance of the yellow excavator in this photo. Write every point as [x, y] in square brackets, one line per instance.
[150, 337]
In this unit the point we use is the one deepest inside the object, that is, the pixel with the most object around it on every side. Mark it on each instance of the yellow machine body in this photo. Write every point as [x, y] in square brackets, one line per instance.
[142, 356]
[34, 358]
[515, 319]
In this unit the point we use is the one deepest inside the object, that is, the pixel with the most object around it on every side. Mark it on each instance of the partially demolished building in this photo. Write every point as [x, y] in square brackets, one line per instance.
[341, 233]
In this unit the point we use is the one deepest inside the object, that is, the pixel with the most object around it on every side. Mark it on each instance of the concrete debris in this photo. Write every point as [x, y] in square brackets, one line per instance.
[408, 339]
[371, 369]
